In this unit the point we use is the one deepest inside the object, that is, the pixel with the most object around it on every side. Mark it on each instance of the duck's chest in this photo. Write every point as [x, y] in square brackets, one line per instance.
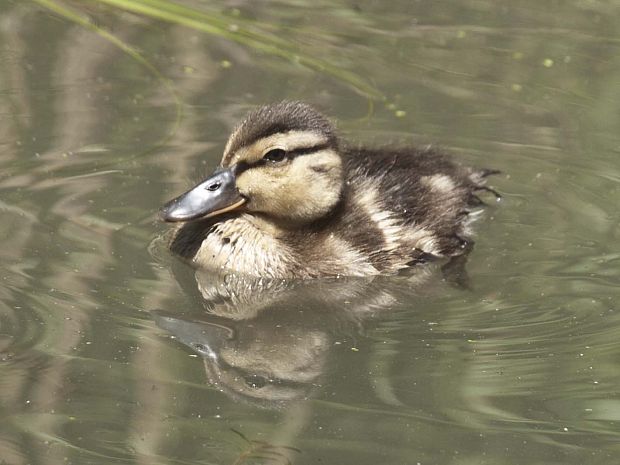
[239, 245]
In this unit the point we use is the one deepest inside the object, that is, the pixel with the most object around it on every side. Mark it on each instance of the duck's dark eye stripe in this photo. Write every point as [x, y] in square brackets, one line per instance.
[306, 150]
[244, 166]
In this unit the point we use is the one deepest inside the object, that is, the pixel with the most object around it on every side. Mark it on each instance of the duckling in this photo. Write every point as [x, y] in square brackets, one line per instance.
[290, 199]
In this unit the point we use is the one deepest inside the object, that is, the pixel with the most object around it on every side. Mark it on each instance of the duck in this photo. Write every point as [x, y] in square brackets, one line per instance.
[291, 199]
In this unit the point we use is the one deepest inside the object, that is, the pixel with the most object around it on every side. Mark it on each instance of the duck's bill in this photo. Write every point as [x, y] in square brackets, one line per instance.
[214, 196]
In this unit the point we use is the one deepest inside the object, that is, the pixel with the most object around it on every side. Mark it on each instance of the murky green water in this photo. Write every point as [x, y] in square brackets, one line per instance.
[111, 351]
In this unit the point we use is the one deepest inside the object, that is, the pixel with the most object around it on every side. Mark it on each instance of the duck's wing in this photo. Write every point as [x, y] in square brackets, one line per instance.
[420, 194]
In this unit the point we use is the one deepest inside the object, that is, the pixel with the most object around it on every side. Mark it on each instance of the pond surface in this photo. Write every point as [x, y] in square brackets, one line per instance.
[112, 351]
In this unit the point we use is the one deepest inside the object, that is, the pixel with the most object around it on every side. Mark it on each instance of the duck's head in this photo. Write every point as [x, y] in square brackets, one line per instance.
[281, 162]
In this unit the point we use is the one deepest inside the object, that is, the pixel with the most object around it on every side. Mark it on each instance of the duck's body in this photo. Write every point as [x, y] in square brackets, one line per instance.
[327, 210]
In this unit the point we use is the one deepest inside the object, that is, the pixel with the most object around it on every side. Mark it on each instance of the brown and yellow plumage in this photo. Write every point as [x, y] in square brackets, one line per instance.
[291, 200]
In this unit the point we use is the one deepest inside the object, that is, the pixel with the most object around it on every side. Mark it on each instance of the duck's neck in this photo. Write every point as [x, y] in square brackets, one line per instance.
[291, 227]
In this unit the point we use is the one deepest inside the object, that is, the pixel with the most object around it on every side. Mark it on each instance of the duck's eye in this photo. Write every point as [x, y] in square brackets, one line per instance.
[275, 155]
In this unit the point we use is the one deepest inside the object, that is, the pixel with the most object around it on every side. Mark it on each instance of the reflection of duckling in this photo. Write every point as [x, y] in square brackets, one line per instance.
[289, 200]
[255, 362]
[270, 342]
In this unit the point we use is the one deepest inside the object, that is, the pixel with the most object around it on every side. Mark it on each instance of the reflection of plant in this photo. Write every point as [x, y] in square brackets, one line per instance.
[234, 29]
[263, 450]
[129, 50]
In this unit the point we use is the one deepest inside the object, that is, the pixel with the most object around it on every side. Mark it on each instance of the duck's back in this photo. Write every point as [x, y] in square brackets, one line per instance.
[404, 204]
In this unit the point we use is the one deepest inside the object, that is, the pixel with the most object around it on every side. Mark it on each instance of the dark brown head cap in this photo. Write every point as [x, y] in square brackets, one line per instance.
[277, 118]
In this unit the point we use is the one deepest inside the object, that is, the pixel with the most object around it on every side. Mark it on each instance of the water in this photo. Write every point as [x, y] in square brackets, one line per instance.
[110, 353]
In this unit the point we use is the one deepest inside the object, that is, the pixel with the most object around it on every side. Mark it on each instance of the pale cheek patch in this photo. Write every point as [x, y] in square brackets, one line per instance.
[263, 188]
[295, 190]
